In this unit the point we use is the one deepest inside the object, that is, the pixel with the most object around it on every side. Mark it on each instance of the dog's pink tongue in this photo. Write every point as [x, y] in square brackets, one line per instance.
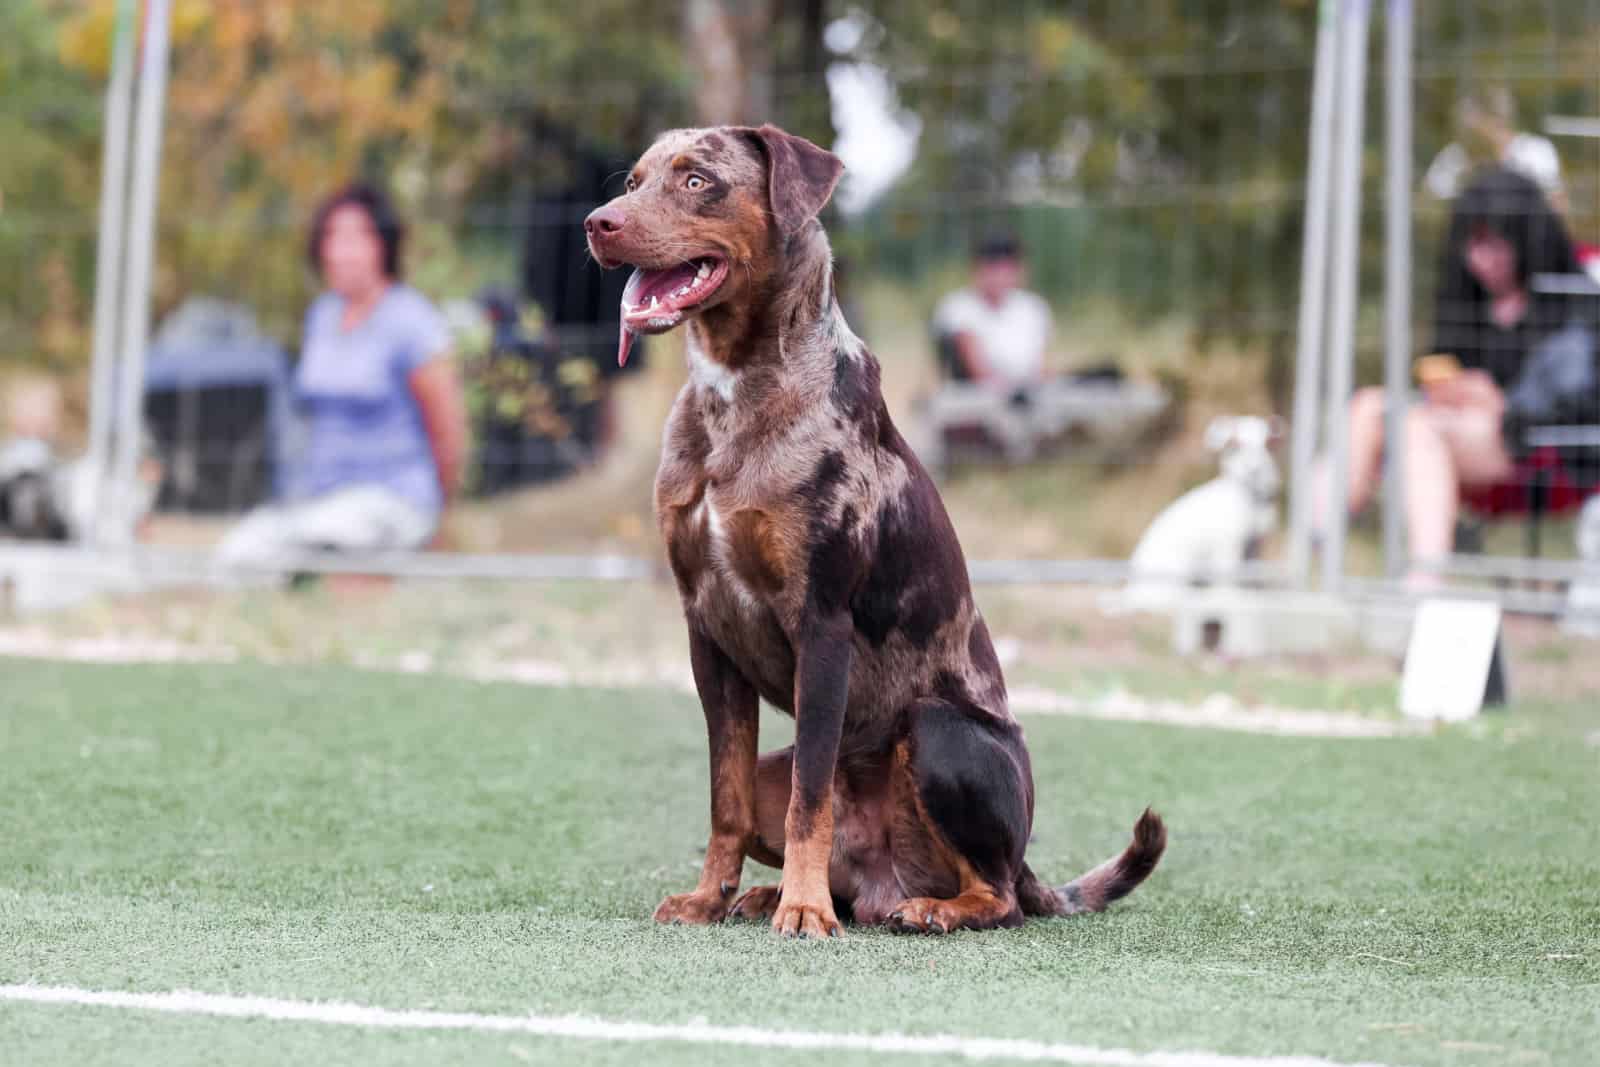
[630, 297]
[624, 344]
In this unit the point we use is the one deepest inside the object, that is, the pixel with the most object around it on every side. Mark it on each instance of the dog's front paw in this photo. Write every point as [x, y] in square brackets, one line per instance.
[806, 919]
[694, 909]
[758, 903]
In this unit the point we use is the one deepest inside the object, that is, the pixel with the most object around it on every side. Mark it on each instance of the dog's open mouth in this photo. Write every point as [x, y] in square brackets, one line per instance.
[657, 300]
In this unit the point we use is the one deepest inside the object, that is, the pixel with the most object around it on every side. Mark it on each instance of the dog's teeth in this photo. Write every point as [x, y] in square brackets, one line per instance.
[652, 300]
[705, 270]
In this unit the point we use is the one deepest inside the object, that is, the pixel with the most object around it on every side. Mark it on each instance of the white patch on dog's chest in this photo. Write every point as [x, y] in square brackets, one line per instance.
[707, 373]
[713, 521]
[717, 549]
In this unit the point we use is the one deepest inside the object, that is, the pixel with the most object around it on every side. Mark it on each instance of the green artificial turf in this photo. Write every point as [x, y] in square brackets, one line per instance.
[421, 842]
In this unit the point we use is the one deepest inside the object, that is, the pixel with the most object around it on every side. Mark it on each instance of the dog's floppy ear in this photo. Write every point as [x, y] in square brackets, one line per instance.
[800, 176]
[1220, 433]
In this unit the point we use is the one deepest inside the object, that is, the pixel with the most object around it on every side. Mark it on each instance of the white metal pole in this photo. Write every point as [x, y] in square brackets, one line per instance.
[1355, 17]
[141, 255]
[108, 251]
[1397, 282]
[1313, 295]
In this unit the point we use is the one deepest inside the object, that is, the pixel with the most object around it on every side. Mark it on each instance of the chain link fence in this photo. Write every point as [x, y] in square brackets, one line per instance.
[1150, 158]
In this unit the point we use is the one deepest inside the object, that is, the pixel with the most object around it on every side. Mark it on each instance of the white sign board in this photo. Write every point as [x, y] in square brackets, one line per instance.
[1453, 646]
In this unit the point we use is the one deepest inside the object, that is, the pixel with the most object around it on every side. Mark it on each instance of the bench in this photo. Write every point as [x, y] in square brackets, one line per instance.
[1548, 487]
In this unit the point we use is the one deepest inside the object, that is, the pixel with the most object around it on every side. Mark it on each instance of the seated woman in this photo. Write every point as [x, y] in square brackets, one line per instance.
[1462, 440]
[384, 435]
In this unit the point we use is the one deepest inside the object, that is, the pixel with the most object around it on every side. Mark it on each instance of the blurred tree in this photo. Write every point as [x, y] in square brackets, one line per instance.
[730, 43]
[448, 102]
[49, 174]
[1156, 152]
[270, 106]
[1170, 146]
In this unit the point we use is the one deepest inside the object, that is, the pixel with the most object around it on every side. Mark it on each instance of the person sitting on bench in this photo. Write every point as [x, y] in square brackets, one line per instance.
[385, 421]
[1505, 358]
[994, 332]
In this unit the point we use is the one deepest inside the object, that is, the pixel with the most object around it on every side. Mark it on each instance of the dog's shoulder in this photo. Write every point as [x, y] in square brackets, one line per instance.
[855, 394]
[685, 448]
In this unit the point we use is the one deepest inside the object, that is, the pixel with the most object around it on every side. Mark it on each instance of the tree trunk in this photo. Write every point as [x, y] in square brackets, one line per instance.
[729, 43]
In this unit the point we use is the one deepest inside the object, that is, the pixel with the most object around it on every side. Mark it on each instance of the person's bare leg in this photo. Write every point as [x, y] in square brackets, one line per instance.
[1366, 459]
[1476, 446]
[1366, 447]
[1432, 490]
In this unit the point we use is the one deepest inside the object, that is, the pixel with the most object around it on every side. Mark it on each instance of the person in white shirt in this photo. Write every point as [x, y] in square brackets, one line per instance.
[1486, 124]
[994, 332]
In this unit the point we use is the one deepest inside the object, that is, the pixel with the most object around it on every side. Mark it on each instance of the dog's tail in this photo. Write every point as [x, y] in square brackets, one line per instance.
[1112, 880]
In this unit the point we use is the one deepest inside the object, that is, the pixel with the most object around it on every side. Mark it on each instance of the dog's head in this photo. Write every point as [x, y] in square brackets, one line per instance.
[1245, 445]
[704, 218]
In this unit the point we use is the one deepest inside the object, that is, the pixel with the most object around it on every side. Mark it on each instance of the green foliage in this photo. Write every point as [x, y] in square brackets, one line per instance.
[49, 174]
[450, 104]
[1153, 153]
[1156, 153]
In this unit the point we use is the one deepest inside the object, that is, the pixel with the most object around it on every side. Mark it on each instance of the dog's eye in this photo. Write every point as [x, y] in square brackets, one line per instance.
[630, 185]
[695, 183]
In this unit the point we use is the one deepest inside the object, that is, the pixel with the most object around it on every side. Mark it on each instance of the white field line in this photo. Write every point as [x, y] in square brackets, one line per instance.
[1217, 712]
[184, 1002]
[37, 644]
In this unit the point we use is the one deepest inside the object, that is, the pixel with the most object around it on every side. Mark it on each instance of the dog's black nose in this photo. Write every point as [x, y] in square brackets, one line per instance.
[604, 221]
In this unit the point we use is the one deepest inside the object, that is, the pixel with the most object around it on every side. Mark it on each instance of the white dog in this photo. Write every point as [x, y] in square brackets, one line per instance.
[1206, 535]
[43, 497]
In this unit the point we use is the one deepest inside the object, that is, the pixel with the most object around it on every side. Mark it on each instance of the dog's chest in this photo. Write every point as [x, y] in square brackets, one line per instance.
[723, 558]
[730, 562]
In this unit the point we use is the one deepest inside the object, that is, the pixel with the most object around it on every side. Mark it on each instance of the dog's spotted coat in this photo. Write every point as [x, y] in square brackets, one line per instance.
[819, 571]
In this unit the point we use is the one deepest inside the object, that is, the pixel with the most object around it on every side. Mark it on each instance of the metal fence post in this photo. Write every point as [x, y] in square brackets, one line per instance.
[1397, 282]
[1313, 295]
[1355, 18]
[141, 254]
[108, 251]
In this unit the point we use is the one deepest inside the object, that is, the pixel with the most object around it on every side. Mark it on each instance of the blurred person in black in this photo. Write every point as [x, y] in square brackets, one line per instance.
[1505, 358]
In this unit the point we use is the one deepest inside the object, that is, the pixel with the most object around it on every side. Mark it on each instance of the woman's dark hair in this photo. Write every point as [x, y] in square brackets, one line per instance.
[1512, 206]
[385, 221]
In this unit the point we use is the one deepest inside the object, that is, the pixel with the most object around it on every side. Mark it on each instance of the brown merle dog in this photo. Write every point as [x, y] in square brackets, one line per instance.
[818, 570]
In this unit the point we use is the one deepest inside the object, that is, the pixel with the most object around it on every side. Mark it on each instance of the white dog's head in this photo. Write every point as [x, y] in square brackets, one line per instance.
[1244, 443]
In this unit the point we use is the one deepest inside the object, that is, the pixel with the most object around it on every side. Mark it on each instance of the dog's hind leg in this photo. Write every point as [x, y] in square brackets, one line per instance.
[774, 774]
[962, 821]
